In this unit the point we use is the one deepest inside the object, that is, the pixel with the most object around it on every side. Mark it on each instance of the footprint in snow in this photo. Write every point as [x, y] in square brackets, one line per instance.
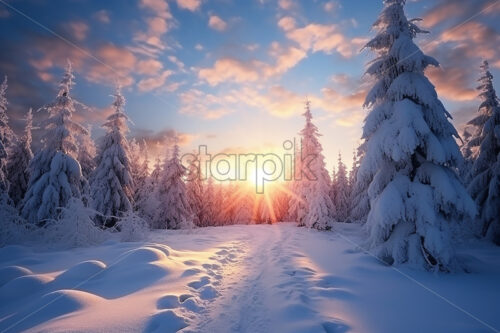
[198, 284]
[335, 326]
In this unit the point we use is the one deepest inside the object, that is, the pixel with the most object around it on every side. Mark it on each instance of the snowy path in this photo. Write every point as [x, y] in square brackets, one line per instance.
[265, 291]
[277, 278]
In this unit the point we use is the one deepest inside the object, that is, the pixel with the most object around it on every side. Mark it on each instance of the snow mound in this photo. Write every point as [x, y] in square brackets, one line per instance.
[143, 255]
[79, 273]
[23, 286]
[166, 322]
[10, 273]
[168, 302]
[134, 270]
[208, 292]
[49, 306]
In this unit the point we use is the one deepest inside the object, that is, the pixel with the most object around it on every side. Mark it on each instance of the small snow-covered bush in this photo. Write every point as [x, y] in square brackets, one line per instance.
[132, 228]
[13, 229]
[74, 227]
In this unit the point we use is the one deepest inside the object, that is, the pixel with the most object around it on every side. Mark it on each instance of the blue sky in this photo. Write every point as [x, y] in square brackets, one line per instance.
[232, 74]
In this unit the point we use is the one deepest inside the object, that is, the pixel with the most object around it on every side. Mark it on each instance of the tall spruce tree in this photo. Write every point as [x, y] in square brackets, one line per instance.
[485, 172]
[342, 192]
[194, 190]
[414, 192]
[6, 140]
[55, 174]
[19, 161]
[173, 211]
[112, 186]
[360, 202]
[314, 190]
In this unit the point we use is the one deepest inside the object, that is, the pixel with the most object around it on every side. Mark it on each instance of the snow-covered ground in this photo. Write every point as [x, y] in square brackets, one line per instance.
[262, 278]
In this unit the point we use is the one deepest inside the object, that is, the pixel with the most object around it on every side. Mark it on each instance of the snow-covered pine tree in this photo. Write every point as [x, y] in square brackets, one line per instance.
[315, 185]
[194, 190]
[243, 209]
[55, 174]
[6, 140]
[86, 153]
[209, 201]
[173, 211]
[354, 169]
[360, 202]
[333, 180]
[342, 193]
[220, 205]
[485, 172]
[156, 173]
[135, 159]
[148, 203]
[296, 205]
[230, 192]
[142, 174]
[414, 192]
[111, 183]
[19, 161]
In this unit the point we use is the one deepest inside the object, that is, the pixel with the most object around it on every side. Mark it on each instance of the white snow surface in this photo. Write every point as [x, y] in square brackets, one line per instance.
[258, 278]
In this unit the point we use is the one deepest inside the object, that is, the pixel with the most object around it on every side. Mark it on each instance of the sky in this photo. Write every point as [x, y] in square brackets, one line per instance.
[232, 75]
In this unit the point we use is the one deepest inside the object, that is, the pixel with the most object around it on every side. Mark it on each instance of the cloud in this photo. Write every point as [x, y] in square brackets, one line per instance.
[173, 59]
[460, 51]
[198, 47]
[150, 42]
[118, 64]
[192, 5]
[286, 4]
[102, 16]
[275, 100]
[285, 58]
[452, 83]
[216, 23]
[201, 104]
[149, 67]
[287, 23]
[234, 70]
[154, 83]
[229, 69]
[330, 6]
[477, 39]
[160, 7]
[158, 141]
[458, 11]
[78, 29]
[321, 38]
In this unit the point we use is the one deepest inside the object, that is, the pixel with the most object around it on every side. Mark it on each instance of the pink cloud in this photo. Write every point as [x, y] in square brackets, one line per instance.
[78, 29]
[286, 4]
[216, 23]
[330, 6]
[321, 37]
[229, 69]
[154, 83]
[118, 64]
[150, 42]
[452, 83]
[149, 66]
[102, 16]
[191, 5]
